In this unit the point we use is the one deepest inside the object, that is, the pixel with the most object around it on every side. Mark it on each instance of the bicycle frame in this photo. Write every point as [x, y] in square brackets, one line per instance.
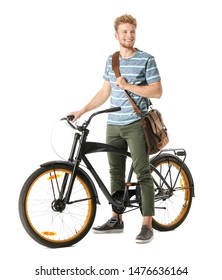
[85, 148]
[88, 148]
[78, 154]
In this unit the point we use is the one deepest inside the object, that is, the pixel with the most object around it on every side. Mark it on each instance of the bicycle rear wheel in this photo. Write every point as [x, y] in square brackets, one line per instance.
[172, 202]
[45, 216]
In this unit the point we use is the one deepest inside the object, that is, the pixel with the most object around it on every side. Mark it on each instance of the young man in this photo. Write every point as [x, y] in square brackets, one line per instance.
[140, 77]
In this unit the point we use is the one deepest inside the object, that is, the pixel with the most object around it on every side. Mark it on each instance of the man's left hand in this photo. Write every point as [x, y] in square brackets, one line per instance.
[121, 82]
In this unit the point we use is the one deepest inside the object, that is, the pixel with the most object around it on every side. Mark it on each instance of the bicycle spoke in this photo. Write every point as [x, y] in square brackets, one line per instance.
[172, 193]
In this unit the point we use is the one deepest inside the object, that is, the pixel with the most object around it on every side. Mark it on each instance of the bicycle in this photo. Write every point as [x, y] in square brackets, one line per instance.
[58, 201]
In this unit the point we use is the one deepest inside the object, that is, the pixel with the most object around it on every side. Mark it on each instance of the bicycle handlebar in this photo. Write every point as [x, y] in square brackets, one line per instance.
[114, 109]
[69, 118]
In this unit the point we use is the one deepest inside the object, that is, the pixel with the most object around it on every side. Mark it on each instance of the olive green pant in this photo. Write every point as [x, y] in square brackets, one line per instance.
[131, 136]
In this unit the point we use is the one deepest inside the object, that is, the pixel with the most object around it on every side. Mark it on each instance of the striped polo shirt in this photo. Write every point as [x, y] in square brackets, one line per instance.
[141, 69]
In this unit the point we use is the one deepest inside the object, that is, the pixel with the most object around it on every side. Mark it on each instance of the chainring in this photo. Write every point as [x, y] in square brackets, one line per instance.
[118, 197]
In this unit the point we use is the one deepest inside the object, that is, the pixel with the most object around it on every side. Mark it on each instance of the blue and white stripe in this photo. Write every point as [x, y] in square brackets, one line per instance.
[138, 70]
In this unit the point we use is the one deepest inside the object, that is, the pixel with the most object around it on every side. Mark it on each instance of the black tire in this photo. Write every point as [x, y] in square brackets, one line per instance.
[172, 211]
[43, 214]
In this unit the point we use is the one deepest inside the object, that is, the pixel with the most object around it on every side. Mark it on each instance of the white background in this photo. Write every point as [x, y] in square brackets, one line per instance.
[52, 58]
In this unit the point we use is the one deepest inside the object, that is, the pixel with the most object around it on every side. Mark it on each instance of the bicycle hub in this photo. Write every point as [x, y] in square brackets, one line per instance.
[58, 205]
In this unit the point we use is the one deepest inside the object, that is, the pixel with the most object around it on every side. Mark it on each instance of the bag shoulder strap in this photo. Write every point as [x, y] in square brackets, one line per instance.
[115, 64]
[115, 68]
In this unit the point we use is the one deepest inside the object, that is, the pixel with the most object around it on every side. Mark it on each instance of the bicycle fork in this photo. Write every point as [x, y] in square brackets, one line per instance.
[75, 168]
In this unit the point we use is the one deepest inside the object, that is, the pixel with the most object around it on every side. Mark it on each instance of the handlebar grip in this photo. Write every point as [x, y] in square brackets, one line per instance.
[70, 117]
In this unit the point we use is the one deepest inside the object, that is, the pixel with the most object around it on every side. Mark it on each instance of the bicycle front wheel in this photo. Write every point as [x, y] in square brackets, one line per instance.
[45, 216]
[173, 186]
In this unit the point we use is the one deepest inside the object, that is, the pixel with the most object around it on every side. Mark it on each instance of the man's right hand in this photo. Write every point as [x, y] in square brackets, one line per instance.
[76, 114]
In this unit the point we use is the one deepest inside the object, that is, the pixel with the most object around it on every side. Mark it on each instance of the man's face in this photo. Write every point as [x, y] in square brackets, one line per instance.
[126, 34]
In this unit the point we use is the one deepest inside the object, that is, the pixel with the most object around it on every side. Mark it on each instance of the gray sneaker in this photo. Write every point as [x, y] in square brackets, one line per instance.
[113, 225]
[145, 235]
